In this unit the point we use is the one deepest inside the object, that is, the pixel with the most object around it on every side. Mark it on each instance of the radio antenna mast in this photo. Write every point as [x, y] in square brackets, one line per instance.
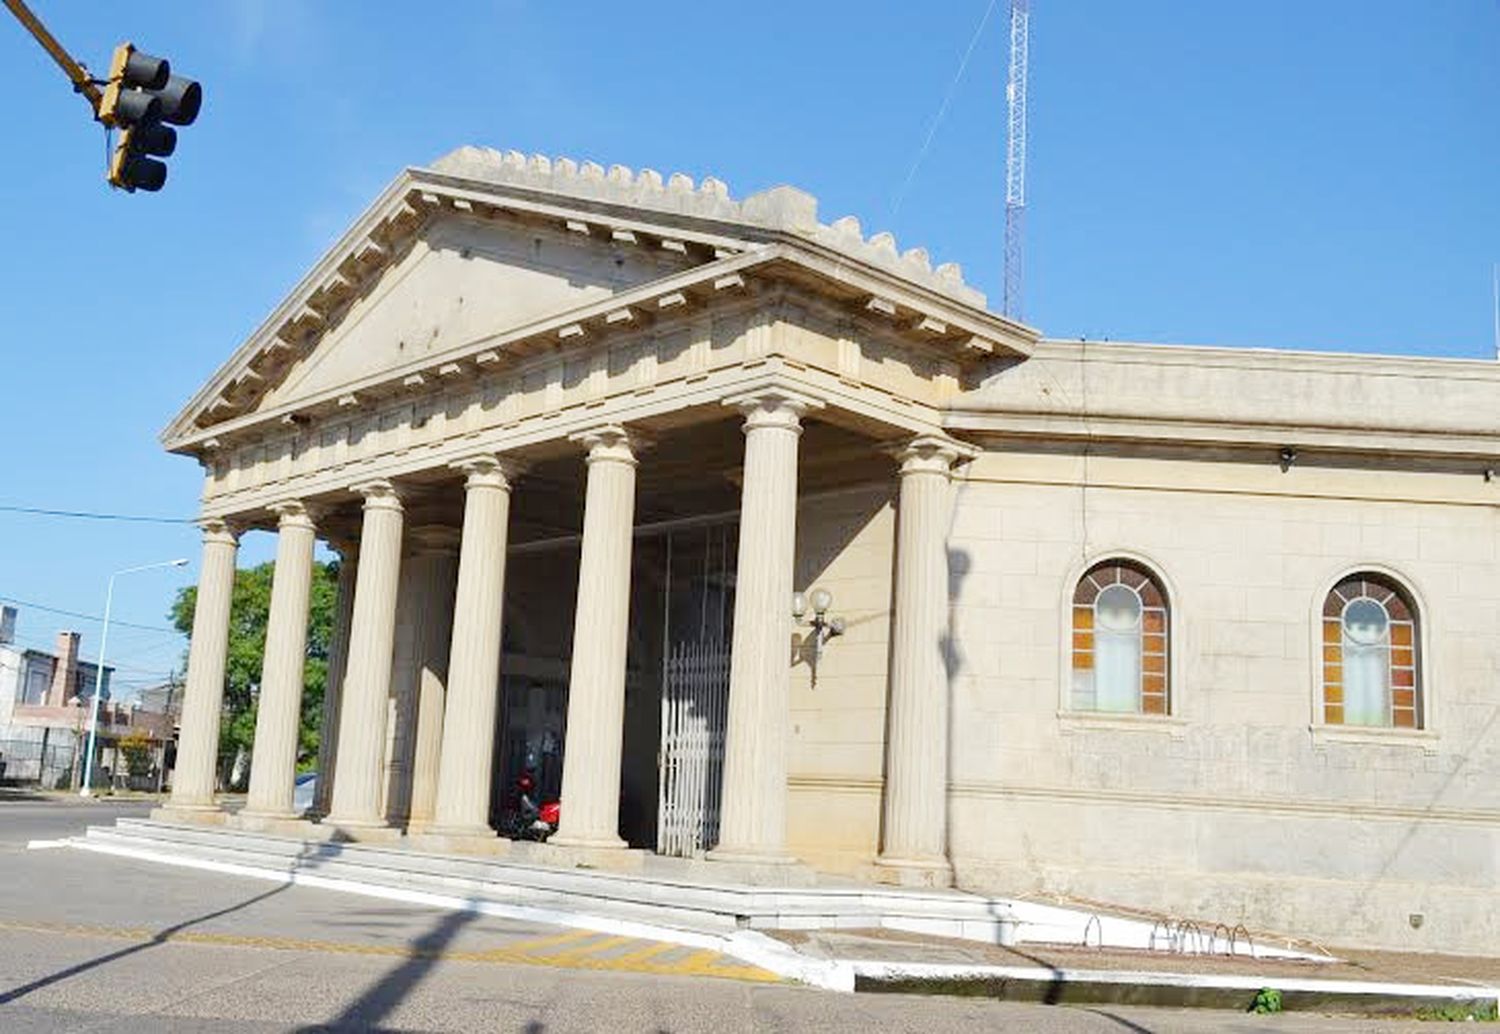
[1015, 155]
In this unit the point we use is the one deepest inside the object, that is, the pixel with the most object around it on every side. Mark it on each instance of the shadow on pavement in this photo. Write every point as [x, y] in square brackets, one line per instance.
[1122, 1021]
[382, 998]
[159, 938]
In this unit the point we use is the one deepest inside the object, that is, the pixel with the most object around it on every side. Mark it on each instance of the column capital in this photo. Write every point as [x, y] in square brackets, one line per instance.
[611, 443]
[294, 513]
[930, 454]
[220, 530]
[489, 470]
[774, 407]
[379, 494]
[434, 540]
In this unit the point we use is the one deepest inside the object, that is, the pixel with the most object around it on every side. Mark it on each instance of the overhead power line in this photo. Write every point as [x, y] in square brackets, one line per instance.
[942, 111]
[86, 617]
[89, 516]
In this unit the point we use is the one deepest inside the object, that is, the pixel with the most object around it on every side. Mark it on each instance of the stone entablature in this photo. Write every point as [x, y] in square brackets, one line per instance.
[629, 367]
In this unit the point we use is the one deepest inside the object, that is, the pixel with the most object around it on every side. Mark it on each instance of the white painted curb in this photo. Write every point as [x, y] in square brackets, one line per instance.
[746, 945]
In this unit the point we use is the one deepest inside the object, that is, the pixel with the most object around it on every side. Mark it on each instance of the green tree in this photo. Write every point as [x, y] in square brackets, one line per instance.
[249, 611]
[137, 751]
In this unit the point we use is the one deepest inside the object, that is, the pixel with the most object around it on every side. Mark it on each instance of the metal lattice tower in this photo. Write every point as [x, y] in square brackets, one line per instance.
[1015, 155]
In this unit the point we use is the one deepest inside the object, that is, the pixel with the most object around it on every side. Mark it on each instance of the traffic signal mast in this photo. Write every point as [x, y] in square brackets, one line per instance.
[141, 98]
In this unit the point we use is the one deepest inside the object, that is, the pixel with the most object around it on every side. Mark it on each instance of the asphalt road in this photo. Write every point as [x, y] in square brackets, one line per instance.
[91, 941]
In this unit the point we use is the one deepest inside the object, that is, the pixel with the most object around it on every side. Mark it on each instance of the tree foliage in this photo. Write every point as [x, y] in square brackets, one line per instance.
[249, 612]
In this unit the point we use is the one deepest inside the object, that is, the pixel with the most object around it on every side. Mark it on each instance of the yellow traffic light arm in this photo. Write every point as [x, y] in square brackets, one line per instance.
[79, 75]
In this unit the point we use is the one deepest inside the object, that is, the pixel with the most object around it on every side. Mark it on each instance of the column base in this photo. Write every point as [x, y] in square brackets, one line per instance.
[192, 814]
[914, 872]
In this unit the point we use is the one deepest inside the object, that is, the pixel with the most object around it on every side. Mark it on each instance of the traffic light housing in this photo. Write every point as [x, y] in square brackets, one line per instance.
[140, 98]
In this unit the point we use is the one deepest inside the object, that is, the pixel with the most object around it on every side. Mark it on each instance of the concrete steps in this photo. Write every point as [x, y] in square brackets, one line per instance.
[685, 901]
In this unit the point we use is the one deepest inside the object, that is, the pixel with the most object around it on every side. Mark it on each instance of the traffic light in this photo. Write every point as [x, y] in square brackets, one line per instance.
[141, 97]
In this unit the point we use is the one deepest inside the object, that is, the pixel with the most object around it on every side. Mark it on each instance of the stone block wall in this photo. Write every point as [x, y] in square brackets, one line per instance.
[1239, 806]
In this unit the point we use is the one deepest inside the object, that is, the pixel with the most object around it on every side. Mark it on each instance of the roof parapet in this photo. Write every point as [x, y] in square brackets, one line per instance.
[785, 209]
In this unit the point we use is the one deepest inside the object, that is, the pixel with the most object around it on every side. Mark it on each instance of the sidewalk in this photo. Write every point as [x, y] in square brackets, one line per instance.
[1378, 982]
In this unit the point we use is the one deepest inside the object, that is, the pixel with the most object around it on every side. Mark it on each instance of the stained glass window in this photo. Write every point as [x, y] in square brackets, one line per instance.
[1370, 655]
[1120, 641]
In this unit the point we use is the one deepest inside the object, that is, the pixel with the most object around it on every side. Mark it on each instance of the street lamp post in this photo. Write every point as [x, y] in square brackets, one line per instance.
[86, 789]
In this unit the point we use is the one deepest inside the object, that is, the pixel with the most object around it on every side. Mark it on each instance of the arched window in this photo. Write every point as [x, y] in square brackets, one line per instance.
[1120, 640]
[1370, 655]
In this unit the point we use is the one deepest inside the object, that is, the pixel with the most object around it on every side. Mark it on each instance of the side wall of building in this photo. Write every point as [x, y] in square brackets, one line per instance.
[1238, 807]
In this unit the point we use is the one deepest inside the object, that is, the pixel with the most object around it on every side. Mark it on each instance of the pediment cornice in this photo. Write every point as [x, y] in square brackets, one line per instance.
[764, 238]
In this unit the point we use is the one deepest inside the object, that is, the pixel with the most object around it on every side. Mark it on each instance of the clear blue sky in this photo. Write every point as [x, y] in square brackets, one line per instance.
[1281, 173]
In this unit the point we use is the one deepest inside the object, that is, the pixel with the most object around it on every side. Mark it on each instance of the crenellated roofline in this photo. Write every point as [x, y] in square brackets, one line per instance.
[772, 233]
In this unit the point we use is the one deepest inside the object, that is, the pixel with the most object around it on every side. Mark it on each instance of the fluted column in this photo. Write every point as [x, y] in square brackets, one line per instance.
[753, 823]
[278, 721]
[915, 846]
[433, 571]
[468, 741]
[356, 790]
[596, 683]
[203, 701]
[338, 663]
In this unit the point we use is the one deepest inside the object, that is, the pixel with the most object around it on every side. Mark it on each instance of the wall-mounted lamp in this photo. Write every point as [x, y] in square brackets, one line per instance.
[823, 627]
[1288, 457]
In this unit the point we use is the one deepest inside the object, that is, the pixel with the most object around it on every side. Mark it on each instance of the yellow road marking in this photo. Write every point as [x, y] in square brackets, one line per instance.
[652, 949]
[702, 962]
[548, 942]
[573, 955]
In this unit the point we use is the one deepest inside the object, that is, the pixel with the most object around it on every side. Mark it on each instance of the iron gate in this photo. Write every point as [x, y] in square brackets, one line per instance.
[694, 706]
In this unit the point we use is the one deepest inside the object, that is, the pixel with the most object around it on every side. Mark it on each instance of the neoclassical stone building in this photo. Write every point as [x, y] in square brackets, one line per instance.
[1202, 632]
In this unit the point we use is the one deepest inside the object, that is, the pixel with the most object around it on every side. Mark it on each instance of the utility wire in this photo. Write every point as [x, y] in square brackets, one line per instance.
[942, 111]
[85, 515]
[87, 617]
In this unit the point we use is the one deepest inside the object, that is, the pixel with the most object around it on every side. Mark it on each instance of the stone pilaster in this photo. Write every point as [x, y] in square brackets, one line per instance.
[753, 823]
[915, 845]
[596, 684]
[356, 788]
[203, 700]
[433, 572]
[278, 720]
[468, 734]
[338, 663]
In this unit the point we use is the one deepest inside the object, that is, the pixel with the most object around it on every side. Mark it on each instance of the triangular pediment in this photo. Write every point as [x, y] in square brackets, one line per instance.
[486, 257]
[462, 281]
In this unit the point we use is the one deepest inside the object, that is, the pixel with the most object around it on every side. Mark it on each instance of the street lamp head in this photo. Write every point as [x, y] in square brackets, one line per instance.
[180, 562]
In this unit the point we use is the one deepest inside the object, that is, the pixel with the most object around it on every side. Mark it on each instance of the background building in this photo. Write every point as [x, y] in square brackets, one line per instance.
[45, 699]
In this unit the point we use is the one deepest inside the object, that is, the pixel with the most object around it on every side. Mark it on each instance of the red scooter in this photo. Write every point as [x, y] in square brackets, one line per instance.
[529, 820]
